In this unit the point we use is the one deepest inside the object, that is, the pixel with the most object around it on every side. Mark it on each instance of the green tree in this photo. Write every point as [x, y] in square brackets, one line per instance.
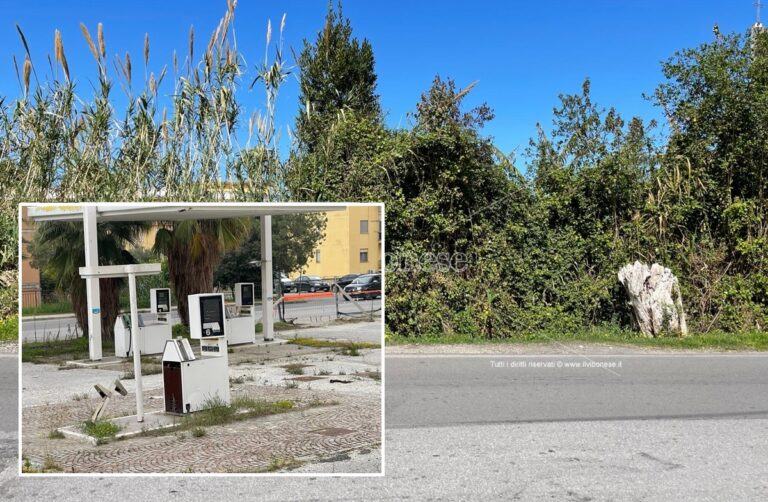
[341, 141]
[589, 181]
[57, 249]
[337, 76]
[452, 195]
[709, 207]
[294, 239]
[353, 161]
[194, 249]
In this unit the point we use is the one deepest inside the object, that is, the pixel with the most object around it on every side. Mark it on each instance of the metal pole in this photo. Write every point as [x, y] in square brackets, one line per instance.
[267, 311]
[93, 296]
[137, 346]
[336, 297]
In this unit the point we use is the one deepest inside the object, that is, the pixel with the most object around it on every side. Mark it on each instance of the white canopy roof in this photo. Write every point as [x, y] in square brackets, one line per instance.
[158, 211]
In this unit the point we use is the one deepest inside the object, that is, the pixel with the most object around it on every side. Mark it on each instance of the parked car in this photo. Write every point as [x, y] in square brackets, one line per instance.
[285, 283]
[365, 287]
[345, 280]
[310, 283]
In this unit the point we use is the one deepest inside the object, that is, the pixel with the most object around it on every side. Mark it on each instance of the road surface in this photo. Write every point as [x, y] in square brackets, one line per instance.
[649, 427]
[9, 419]
[315, 311]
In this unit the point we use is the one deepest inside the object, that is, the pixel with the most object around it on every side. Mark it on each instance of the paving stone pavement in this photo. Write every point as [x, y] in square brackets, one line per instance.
[244, 446]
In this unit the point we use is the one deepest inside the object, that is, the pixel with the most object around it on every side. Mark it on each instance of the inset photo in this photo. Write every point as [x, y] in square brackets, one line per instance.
[166, 338]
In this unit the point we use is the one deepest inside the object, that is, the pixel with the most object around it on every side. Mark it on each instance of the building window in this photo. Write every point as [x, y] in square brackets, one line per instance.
[317, 256]
[363, 226]
[363, 256]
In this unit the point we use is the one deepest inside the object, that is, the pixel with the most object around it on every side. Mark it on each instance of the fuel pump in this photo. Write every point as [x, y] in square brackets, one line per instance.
[241, 317]
[152, 334]
[193, 382]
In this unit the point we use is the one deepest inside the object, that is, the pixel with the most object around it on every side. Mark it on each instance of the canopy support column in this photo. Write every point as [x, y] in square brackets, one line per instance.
[93, 294]
[138, 345]
[267, 309]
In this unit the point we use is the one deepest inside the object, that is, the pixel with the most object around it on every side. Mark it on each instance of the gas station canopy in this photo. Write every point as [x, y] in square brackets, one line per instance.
[173, 211]
[93, 213]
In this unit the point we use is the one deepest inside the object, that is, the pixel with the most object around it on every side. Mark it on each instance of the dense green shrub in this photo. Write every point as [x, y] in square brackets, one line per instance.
[475, 247]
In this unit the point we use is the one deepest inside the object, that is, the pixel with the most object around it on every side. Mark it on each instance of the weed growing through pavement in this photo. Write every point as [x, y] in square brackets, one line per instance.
[55, 434]
[295, 369]
[145, 370]
[100, 429]
[50, 465]
[241, 379]
[281, 463]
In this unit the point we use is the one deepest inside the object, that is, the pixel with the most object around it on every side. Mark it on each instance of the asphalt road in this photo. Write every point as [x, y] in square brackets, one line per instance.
[659, 427]
[313, 311]
[456, 390]
[9, 418]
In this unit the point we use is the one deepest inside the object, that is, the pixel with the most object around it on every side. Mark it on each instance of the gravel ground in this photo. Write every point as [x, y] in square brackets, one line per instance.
[9, 347]
[48, 384]
[326, 365]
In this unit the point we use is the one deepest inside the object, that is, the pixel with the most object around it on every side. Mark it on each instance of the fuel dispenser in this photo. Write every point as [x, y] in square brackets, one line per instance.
[241, 317]
[152, 335]
[190, 382]
[160, 302]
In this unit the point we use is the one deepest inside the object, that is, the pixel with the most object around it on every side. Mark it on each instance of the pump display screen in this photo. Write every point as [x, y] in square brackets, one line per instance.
[247, 294]
[212, 315]
[162, 300]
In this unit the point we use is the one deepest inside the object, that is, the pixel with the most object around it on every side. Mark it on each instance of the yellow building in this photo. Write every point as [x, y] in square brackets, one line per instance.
[352, 243]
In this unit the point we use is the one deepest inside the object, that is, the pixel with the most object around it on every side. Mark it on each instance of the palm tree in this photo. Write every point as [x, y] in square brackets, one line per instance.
[59, 251]
[194, 249]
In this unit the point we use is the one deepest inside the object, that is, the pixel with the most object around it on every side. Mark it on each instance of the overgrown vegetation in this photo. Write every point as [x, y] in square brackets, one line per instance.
[9, 328]
[317, 342]
[481, 250]
[282, 463]
[481, 245]
[294, 369]
[55, 434]
[54, 352]
[351, 350]
[180, 330]
[152, 369]
[216, 412]
[58, 307]
[100, 429]
[278, 325]
[714, 340]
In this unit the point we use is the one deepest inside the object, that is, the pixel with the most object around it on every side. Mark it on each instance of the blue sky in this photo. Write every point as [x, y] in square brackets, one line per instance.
[522, 53]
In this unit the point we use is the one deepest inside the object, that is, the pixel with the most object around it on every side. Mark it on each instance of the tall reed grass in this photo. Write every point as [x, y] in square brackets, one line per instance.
[184, 133]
